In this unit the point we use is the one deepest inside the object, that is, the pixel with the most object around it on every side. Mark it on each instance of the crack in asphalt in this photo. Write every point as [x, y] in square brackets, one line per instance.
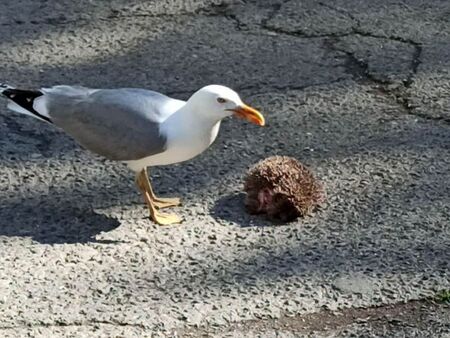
[277, 7]
[415, 59]
[415, 63]
[360, 67]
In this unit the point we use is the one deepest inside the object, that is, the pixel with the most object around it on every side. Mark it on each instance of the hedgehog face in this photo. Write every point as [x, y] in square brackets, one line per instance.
[282, 209]
[253, 203]
[276, 205]
[260, 201]
[265, 197]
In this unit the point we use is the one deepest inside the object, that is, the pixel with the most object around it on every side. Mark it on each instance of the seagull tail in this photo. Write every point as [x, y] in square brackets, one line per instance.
[25, 102]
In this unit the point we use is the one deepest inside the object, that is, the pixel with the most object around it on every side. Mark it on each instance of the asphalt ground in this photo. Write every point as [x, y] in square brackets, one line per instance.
[357, 91]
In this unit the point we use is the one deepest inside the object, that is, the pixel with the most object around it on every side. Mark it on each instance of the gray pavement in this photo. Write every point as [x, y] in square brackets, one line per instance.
[359, 92]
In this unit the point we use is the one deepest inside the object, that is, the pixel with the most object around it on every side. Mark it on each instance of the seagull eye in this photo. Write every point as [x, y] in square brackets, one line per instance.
[221, 100]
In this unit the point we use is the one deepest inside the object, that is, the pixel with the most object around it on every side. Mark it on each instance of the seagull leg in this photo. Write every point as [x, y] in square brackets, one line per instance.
[158, 217]
[161, 202]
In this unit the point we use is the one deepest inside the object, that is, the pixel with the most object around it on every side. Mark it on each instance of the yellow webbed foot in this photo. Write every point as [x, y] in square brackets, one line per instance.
[165, 219]
[161, 203]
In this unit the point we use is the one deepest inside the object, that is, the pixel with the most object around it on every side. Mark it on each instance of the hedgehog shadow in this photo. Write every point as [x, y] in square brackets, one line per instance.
[231, 209]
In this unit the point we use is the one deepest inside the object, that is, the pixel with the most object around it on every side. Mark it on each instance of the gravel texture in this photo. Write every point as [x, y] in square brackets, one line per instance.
[357, 92]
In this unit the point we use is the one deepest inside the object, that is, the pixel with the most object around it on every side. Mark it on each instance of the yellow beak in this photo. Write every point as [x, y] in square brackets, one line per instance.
[250, 114]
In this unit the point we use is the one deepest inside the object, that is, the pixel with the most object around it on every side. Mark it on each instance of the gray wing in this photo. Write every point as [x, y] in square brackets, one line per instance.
[119, 124]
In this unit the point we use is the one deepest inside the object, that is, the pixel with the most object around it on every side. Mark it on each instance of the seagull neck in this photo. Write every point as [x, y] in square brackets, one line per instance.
[189, 114]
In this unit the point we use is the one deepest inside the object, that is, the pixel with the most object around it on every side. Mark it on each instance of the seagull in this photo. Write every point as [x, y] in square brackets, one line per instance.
[139, 127]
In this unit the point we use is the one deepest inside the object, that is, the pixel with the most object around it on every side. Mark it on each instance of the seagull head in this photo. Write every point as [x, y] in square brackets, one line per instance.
[217, 102]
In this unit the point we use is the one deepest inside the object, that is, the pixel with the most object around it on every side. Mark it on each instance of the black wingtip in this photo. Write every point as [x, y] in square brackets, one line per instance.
[25, 99]
[4, 86]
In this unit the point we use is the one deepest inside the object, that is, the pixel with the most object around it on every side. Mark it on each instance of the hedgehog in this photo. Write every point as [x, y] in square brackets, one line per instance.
[282, 188]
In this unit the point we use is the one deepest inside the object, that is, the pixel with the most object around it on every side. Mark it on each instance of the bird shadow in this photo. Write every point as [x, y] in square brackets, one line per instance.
[55, 223]
[231, 208]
